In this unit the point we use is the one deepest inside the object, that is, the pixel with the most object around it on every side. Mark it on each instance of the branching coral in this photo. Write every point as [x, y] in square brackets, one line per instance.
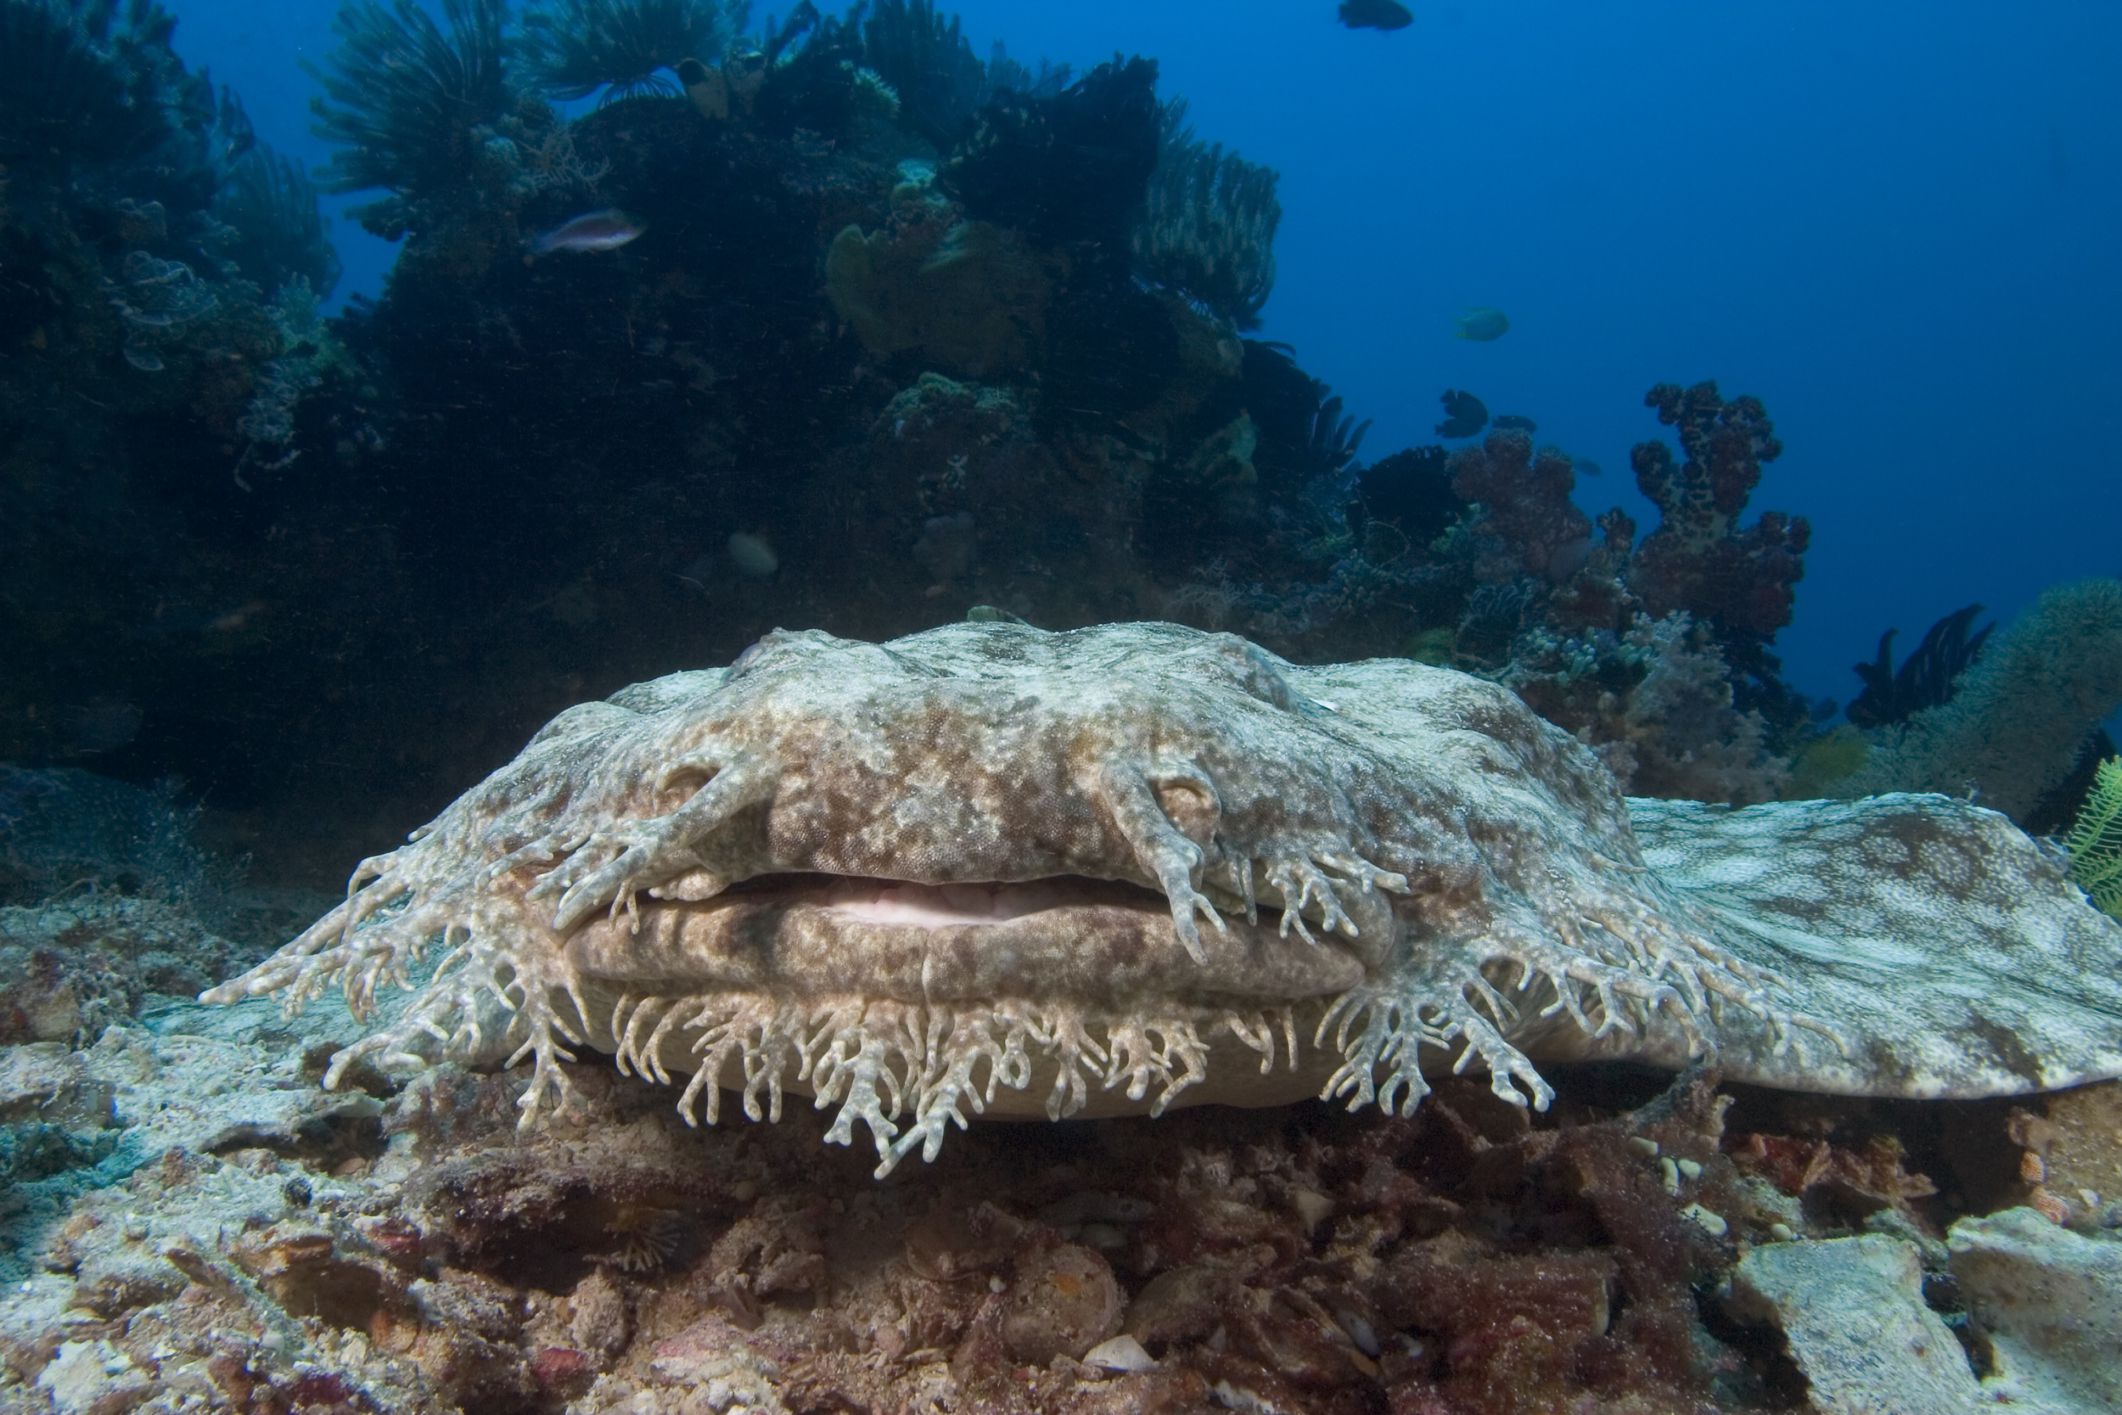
[1678, 733]
[1524, 497]
[403, 96]
[158, 300]
[576, 47]
[1699, 559]
[307, 351]
[1207, 228]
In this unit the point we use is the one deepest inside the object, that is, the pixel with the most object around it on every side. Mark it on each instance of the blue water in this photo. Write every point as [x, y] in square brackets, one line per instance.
[1894, 222]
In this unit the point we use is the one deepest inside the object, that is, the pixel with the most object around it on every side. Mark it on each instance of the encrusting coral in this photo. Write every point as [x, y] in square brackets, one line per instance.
[989, 868]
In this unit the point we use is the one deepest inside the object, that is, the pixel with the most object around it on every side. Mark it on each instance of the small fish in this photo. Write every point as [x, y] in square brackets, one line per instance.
[1376, 14]
[1483, 324]
[605, 230]
[1464, 414]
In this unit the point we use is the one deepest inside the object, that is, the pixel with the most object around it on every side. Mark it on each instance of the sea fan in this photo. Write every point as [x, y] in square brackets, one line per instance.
[575, 47]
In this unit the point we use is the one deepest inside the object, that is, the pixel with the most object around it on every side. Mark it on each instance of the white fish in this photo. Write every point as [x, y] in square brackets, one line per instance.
[605, 230]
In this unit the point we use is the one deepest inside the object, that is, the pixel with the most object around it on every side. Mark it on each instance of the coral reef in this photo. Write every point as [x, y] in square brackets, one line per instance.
[1698, 558]
[1925, 677]
[1072, 167]
[1135, 457]
[574, 48]
[903, 335]
[1207, 228]
[145, 233]
[94, 84]
[1587, 626]
[988, 399]
[405, 97]
[2018, 721]
[1656, 704]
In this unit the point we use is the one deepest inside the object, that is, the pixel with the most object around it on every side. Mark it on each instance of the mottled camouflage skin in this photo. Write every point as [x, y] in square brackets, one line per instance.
[991, 868]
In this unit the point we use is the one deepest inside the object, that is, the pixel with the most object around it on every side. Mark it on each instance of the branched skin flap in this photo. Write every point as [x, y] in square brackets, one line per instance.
[993, 869]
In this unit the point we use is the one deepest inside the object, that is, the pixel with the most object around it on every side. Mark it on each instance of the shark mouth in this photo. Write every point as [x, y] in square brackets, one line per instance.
[1061, 938]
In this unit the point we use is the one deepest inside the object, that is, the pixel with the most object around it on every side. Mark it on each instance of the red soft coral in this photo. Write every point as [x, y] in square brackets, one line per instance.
[1699, 560]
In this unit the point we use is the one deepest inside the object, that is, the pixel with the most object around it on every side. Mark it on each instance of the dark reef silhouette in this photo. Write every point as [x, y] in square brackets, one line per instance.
[933, 332]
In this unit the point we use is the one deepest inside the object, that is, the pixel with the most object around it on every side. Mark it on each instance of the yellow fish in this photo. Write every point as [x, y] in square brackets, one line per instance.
[1483, 324]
